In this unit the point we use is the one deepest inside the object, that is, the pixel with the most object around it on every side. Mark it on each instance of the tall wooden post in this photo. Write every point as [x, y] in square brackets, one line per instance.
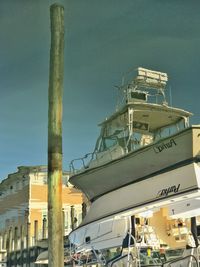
[55, 227]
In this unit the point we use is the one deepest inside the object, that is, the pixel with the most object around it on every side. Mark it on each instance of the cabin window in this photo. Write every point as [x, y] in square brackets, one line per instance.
[139, 140]
[110, 142]
[169, 130]
[138, 95]
[107, 143]
[141, 126]
[181, 125]
[162, 133]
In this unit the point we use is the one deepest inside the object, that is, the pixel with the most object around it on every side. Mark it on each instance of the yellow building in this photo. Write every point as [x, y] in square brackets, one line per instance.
[23, 207]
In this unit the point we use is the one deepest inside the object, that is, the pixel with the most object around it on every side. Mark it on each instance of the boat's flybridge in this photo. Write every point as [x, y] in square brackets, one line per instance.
[143, 118]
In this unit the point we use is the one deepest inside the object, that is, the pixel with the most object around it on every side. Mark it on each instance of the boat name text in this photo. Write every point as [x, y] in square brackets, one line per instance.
[166, 191]
[159, 148]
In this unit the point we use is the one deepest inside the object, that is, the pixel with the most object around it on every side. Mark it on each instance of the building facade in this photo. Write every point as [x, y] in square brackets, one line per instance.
[23, 208]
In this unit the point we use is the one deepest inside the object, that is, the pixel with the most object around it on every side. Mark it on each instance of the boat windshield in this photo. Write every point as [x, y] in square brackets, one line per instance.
[132, 139]
[169, 130]
[108, 142]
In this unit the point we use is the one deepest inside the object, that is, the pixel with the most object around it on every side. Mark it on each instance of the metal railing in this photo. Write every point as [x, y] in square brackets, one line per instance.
[84, 162]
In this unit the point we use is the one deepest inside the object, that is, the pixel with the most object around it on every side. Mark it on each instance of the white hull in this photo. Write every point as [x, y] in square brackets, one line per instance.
[162, 190]
[170, 153]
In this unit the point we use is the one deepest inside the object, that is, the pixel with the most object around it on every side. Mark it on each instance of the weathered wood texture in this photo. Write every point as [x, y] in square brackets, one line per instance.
[55, 221]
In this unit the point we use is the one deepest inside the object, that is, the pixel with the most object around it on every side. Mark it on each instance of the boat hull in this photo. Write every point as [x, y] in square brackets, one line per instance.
[164, 190]
[169, 153]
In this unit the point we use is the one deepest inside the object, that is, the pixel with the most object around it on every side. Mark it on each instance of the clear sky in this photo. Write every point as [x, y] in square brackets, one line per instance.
[103, 39]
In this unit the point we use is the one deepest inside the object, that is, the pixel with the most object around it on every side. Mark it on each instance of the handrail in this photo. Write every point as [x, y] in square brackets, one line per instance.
[85, 166]
[71, 165]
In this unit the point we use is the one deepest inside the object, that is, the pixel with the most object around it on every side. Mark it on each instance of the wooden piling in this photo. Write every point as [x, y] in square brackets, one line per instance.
[56, 73]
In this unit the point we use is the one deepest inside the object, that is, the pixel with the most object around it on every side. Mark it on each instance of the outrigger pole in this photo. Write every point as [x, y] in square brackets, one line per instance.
[56, 73]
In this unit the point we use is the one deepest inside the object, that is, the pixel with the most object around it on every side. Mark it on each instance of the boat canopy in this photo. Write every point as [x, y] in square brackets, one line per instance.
[147, 117]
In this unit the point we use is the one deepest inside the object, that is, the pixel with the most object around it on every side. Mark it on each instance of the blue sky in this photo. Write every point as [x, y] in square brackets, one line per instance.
[103, 39]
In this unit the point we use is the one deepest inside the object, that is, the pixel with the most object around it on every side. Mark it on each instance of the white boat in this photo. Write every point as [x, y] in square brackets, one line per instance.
[140, 140]
[146, 162]
[168, 197]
